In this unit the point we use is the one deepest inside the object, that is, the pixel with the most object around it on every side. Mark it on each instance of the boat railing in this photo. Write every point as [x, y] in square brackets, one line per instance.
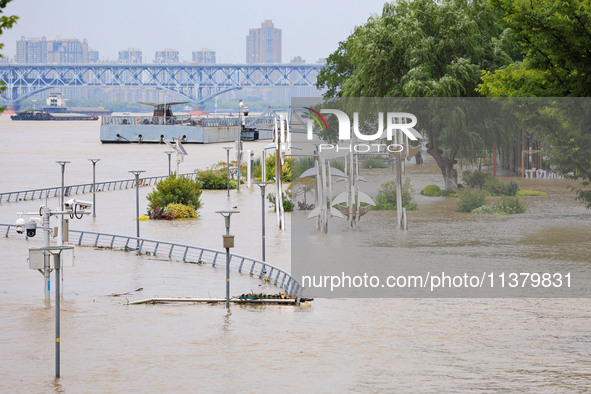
[177, 120]
[181, 252]
[49, 192]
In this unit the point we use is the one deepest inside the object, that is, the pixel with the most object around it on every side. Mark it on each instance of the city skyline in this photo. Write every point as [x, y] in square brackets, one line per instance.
[310, 30]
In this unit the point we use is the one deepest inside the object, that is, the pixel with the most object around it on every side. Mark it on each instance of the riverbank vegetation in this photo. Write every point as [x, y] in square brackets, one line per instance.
[486, 48]
[173, 198]
[216, 176]
[386, 197]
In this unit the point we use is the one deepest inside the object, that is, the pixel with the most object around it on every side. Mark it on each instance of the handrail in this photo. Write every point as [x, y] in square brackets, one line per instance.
[186, 253]
[48, 192]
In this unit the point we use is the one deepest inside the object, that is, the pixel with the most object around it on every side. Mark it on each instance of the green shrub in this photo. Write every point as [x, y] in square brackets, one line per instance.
[287, 204]
[174, 189]
[475, 178]
[374, 162]
[511, 188]
[504, 206]
[493, 186]
[470, 200]
[211, 179]
[449, 193]
[386, 197]
[528, 193]
[180, 211]
[270, 168]
[432, 191]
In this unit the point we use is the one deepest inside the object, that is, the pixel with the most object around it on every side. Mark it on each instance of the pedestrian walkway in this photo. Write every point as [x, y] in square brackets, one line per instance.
[71, 190]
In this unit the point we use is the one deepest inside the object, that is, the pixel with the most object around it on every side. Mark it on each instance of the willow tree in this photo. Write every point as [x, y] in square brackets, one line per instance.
[6, 22]
[422, 48]
[554, 38]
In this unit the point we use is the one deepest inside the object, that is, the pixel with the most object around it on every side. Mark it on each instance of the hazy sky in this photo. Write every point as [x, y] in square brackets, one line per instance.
[310, 28]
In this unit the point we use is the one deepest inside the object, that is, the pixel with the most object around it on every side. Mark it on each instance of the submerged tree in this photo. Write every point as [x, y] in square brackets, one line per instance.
[422, 48]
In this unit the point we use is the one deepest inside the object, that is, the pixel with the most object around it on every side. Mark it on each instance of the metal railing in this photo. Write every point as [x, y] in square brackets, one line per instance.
[48, 192]
[186, 253]
[207, 120]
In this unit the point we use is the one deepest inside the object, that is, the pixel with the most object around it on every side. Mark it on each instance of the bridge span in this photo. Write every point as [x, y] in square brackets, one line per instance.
[195, 83]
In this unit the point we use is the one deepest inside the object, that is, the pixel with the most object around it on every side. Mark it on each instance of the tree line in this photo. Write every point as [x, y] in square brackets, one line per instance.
[521, 49]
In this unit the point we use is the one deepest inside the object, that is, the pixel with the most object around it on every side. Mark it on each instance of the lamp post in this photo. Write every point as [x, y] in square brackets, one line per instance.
[169, 152]
[94, 161]
[63, 164]
[137, 203]
[263, 185]
[228, 169]
[239, 147]
[60, 227]
[228, 243]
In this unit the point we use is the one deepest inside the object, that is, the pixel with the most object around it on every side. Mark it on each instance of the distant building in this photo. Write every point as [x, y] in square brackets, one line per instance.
[69, 51]
[263, 45]
[167, 56]
[297, 60]
[57, 51]
[93, 56]
[130, 56]
[204, 56]
[31, 51]
[322, 60]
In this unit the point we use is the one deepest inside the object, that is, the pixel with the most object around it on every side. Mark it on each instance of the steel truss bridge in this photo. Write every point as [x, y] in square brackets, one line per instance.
[195, 83]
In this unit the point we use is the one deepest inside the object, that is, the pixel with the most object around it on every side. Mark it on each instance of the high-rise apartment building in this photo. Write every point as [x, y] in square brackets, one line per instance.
[93, 56]
[130, 56]
[167, 56]
[263, 45]
[57, 51]
[204, 56]
[31, 51]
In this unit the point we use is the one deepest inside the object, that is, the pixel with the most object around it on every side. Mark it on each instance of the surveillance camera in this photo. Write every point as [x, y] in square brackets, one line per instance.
[20, 225]
[77, 207]
[70, 204]
[73, 204]
[31, 228]
[84, 204]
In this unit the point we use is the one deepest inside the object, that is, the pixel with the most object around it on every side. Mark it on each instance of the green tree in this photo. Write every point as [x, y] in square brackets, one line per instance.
[422, 48]
[6, 22]
[554, 37]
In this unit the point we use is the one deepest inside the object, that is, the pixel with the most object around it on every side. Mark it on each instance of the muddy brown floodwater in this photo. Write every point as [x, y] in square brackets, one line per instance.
[336, 345]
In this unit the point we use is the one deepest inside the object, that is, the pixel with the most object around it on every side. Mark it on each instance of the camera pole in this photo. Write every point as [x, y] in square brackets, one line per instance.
[46, 277]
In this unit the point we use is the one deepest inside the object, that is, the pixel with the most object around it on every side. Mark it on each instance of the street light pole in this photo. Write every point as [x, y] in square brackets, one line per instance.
[60, 226]
[228, 169]
[63, 164]
[169, 152]
[137, 204]
[239, 147]
[263, 185]
[94, 161]
[228, 243]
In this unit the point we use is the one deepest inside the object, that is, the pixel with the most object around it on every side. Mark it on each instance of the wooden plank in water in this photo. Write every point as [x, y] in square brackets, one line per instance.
[214, 301]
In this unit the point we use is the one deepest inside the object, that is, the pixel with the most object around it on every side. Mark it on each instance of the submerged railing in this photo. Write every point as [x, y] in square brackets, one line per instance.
[185, 253]
[48, 192]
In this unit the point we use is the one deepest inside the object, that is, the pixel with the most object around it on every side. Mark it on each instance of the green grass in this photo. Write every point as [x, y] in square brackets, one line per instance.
[529, 193]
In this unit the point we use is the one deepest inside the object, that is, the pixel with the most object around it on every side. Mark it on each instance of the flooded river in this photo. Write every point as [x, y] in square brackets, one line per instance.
[330, 345]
